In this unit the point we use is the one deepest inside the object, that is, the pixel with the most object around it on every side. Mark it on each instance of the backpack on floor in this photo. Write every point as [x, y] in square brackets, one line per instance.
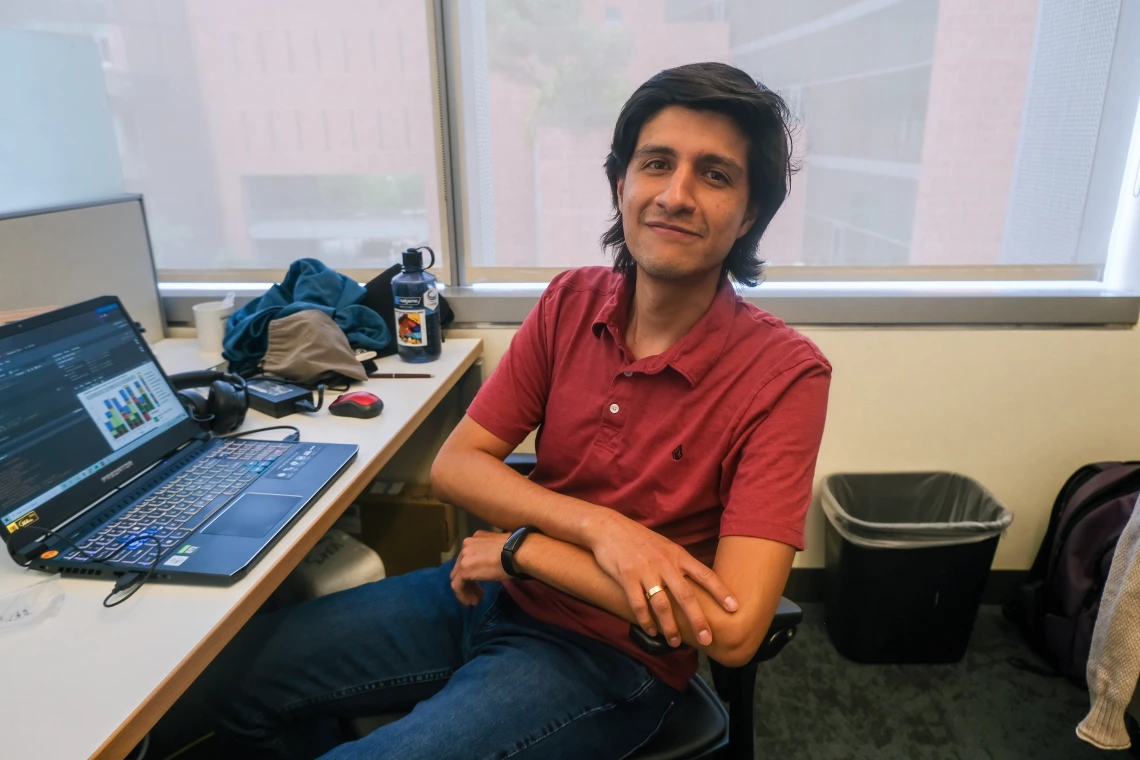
[1057, 604]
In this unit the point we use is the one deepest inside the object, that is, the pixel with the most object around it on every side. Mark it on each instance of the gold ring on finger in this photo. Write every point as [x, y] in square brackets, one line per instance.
[649, 594]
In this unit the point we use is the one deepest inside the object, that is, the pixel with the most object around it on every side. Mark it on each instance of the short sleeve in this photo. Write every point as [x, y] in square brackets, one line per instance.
[767, 476]
[512, 402]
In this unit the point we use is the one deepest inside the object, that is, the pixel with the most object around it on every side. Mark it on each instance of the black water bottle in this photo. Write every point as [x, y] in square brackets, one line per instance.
[418, 335]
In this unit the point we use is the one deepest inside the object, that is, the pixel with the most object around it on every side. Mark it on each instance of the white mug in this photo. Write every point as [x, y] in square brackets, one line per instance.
[210, 319]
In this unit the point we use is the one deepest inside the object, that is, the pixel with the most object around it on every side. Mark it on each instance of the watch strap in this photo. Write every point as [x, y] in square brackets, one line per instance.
[514, 541]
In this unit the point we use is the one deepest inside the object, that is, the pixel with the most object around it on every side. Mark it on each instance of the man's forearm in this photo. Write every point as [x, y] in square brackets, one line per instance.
[574, 571]
[469, 472]
[492, 491]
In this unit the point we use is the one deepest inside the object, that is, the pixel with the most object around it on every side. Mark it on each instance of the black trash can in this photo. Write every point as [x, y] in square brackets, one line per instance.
[907, 558]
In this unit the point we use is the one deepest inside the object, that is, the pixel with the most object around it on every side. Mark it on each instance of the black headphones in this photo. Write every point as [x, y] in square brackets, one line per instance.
[224, 409]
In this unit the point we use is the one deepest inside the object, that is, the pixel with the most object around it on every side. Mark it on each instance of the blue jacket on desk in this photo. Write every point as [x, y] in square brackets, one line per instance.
[309, 284]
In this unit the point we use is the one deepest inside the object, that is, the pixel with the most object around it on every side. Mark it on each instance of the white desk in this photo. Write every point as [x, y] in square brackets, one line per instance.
[90, 681]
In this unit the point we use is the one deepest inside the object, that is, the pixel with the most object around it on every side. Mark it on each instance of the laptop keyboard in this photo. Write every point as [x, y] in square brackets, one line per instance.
[182, 504]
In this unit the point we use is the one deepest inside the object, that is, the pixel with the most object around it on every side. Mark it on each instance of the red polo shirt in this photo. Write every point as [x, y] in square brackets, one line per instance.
[718, 436]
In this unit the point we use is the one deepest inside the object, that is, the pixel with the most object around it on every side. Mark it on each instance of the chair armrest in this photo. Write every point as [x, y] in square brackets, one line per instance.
[733, 684]
[781, 631]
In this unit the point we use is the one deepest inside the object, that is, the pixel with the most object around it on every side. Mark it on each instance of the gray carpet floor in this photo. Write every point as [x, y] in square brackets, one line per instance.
[811, 703]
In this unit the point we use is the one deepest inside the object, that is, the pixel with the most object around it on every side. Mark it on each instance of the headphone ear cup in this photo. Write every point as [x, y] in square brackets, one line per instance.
[197, 406]
[228, 404]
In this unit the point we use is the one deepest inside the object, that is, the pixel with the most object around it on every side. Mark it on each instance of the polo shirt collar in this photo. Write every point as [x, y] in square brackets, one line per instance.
[696, 352]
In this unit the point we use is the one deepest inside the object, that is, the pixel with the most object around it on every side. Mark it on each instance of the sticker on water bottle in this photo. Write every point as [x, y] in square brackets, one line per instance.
[410, 327]
[431, 299]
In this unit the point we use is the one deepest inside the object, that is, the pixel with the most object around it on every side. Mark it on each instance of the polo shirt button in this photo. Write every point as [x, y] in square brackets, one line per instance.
[614, 408]
[627, 373]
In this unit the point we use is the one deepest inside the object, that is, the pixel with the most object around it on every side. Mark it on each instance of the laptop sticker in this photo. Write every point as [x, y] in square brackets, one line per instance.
[21, 522]
[176, 560]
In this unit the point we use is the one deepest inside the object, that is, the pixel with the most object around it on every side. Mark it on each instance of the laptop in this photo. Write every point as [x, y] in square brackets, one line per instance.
[96, 447]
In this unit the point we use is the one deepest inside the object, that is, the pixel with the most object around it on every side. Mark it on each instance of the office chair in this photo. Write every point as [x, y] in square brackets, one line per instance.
[700, 728]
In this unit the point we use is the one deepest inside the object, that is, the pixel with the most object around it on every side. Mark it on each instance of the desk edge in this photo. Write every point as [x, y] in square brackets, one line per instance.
[132, 730]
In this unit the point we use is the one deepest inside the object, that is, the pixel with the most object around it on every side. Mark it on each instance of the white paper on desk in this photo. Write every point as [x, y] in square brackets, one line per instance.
[31, 604]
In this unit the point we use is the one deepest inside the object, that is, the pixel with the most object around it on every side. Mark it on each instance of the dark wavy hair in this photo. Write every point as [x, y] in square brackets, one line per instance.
[762, 116]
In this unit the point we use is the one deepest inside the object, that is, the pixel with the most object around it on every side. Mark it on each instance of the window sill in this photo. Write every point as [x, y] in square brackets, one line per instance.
[899, 303]
[999, 304]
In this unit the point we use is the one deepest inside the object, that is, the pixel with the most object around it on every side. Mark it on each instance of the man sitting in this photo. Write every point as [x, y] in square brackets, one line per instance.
[679, 428]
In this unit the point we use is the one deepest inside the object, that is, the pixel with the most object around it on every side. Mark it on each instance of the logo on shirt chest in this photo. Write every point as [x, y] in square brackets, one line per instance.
[677, 454]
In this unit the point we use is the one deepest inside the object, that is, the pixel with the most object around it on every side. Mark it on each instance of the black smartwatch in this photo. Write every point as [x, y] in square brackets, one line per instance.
[514, 541]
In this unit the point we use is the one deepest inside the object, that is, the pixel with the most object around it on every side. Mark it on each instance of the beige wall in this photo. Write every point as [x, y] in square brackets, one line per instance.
[1018, 410]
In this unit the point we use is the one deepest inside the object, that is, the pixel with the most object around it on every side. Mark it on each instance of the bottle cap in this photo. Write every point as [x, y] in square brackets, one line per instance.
[413, 260]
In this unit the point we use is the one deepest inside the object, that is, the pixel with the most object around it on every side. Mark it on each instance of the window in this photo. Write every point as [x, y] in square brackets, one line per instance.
[346, 221]
[940, 139]
[258, 131]
[947, 140]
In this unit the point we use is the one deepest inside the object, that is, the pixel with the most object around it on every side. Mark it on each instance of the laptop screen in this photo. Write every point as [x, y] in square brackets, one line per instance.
[77, 396]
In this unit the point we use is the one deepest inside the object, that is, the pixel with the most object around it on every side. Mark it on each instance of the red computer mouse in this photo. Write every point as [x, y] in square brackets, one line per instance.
[357, 404]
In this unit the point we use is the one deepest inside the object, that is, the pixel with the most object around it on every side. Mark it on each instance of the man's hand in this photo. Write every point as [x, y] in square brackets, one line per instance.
[480, 559]
[640, 559]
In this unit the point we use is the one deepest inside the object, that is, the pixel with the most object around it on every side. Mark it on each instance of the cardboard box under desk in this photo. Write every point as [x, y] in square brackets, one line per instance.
[407, 526]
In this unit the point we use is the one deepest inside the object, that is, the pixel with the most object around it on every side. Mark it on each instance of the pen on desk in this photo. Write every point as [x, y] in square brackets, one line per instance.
[397, 375]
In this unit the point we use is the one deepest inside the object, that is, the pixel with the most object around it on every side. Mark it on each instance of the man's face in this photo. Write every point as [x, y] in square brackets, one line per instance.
[684, 196]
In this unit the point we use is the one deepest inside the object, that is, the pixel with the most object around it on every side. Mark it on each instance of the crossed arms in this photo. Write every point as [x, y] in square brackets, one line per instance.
[600, 556]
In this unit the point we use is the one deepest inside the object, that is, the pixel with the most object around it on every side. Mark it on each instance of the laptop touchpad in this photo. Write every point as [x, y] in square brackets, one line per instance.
[252, 515]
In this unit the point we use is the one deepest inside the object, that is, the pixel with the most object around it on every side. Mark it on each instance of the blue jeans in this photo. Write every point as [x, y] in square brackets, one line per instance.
[486, 681]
